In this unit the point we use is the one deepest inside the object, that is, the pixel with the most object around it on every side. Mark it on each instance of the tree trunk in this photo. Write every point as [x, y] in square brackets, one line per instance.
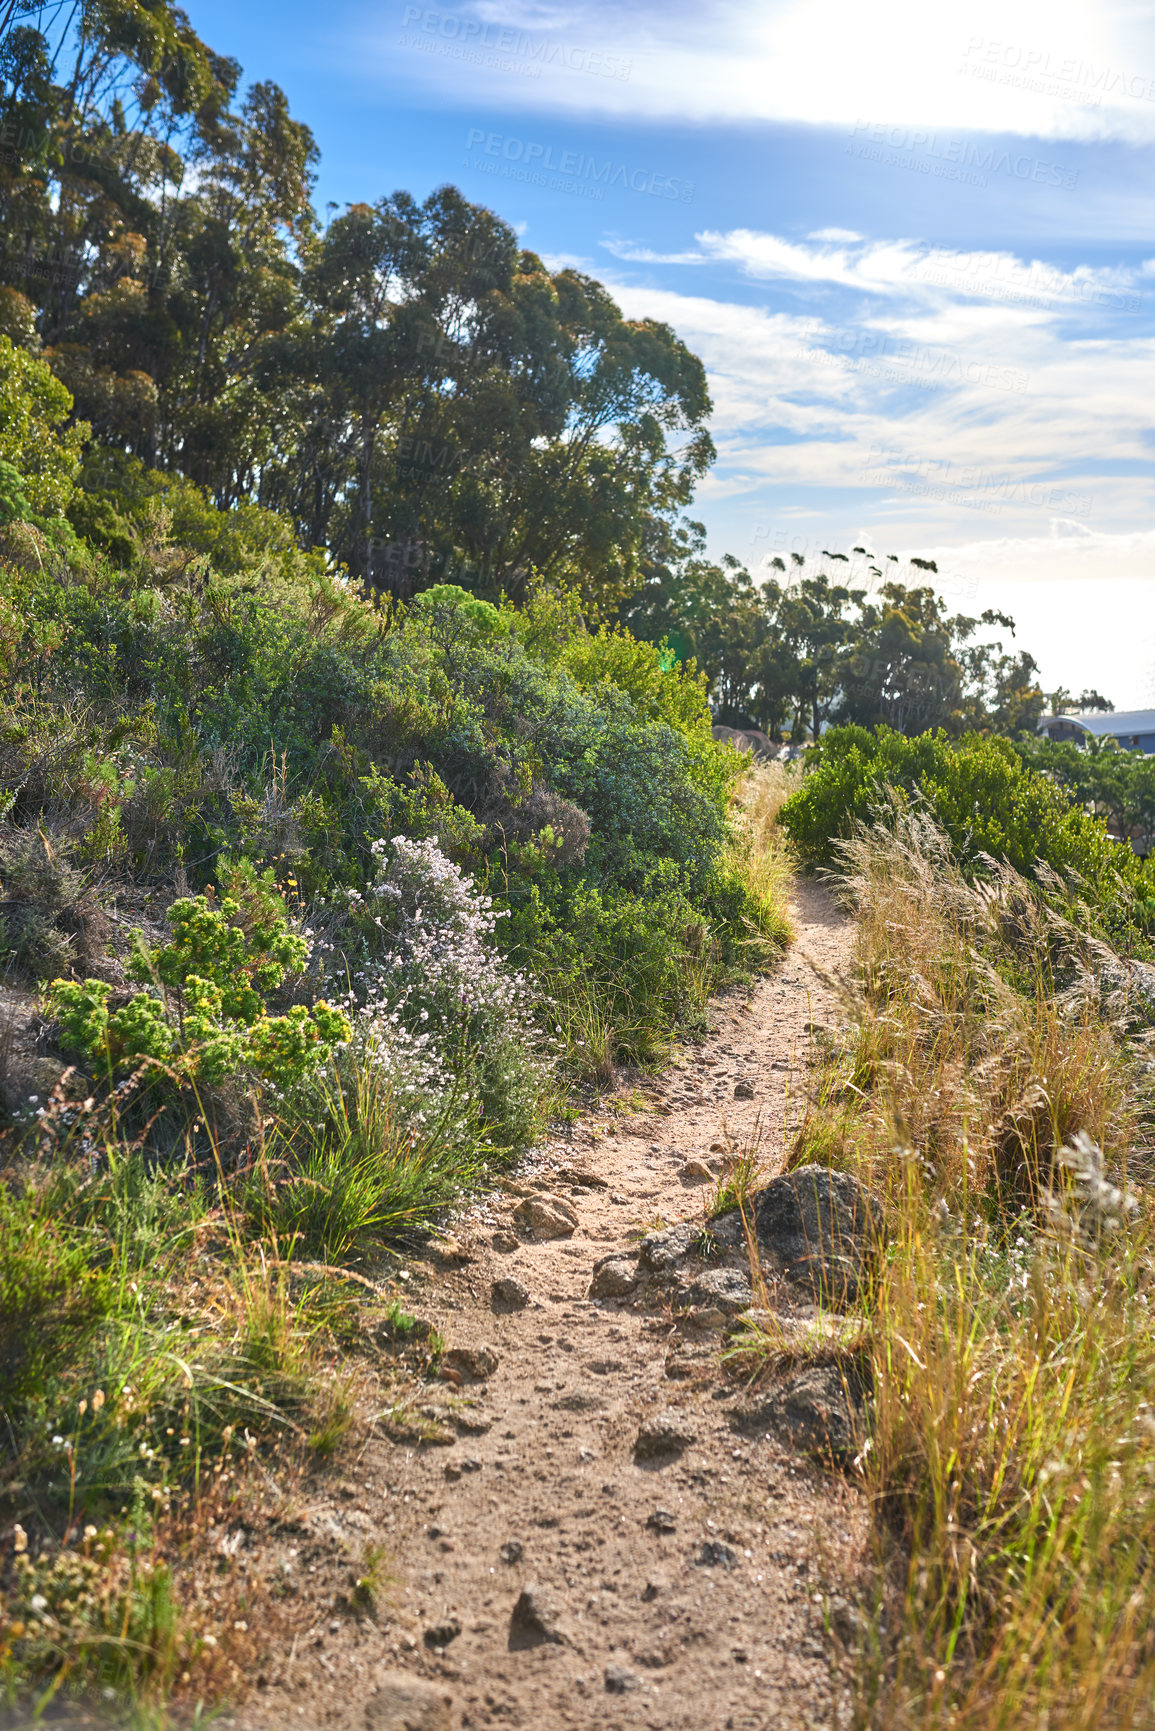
[363, 540]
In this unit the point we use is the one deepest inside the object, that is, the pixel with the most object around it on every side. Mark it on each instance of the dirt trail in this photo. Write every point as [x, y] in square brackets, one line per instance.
[707, 1614]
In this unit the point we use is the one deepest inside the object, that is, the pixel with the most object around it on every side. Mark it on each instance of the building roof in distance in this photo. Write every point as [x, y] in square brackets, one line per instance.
[1127, 721]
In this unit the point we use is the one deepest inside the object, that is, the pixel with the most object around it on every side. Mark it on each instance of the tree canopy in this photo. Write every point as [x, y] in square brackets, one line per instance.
[404, 391]
[407, 386]
[810, 646]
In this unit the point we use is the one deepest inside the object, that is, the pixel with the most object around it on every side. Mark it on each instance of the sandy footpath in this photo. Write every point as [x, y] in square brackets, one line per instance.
[684, 1594]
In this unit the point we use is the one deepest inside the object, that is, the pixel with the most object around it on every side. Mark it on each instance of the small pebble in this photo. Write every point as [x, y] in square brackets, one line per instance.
[509, 1294]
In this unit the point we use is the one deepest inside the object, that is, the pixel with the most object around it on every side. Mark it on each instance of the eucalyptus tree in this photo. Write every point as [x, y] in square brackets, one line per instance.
[469, 413]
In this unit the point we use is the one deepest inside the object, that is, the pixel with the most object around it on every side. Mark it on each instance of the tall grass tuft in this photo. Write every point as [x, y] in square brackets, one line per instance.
[761, 856]
[988, 1030]
[359, 1171]
[996, 1093]
[1012, 1471]
[148, 1355]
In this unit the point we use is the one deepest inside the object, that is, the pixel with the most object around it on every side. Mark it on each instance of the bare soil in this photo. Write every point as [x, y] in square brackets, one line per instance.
[688, 1591]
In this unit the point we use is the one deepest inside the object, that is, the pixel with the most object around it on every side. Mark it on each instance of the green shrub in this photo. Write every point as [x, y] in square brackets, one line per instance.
[658, 689]
[115, 508]
[208, 1016]
[34, 439]
[13, 499]
[1114, 782]
[638, 965]
[170, 716]
[981, 793]
[453, 610]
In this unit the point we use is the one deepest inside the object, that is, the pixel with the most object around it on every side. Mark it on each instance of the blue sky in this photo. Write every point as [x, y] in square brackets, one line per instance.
[914, 245]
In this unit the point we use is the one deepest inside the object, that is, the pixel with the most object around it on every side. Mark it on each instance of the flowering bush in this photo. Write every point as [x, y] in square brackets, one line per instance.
[434, 1003]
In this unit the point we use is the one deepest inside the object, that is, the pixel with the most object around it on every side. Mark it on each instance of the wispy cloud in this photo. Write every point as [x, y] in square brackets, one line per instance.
[993, 412]
[1061, 71]
[906, 269]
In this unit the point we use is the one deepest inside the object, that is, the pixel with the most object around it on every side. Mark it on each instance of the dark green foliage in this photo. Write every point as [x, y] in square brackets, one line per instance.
[407, 388]
[1116, 784]
[13, 499]
[173, 721]
[806, 648]
[985, 798]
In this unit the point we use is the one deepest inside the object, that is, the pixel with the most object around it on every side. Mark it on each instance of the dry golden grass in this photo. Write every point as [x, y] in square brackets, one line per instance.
[994, 1094]
[987, 1030]
[761, 854]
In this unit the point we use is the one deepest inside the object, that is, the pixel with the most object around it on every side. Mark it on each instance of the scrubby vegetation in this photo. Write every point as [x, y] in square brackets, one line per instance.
[359, 805]
[314, 908]
[996, 1088]
[339, 843]
[1112, 782]
[991, 805]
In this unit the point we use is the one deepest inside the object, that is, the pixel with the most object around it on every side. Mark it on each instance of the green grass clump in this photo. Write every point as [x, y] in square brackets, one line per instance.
[149, 1353]
[371, 1174]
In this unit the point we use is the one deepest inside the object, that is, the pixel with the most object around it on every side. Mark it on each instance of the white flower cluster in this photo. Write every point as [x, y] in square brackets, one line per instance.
[440, 990]
[444, 927]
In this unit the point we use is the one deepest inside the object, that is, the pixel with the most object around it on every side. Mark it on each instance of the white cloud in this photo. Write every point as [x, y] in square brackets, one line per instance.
[1054, 69]
[630, 253]
[906, 269]
[913, 269]
[990, 419]
[567, 261]
[976, 434]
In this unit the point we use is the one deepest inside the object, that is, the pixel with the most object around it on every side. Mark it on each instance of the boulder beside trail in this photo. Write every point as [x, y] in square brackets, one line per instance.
[727, 1289]
[820, 1411]
[614, 1277]
[546, 1217]
[661, 1251]
[821, 1229]
[536, 1620]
